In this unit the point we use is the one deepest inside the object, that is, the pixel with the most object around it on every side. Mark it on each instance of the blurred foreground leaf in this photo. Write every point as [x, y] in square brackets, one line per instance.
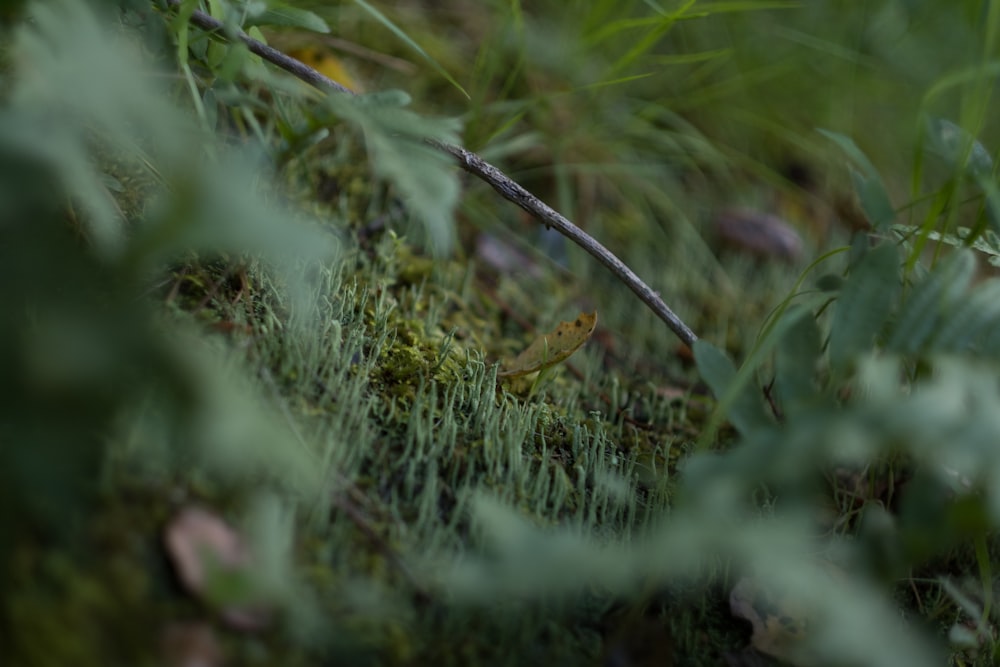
[79, 346]
[427, 179]
[864, 304]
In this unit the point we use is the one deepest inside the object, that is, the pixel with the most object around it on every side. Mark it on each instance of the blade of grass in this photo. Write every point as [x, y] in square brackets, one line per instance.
[398, 32]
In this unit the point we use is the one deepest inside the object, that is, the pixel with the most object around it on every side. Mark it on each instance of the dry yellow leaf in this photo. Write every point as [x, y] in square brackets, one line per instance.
[328, 65]
[550, 349]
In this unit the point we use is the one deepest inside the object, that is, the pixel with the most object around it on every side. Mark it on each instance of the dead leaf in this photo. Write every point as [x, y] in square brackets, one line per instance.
[327, 64]
[781, 616]
[759, 233]
[194, 538]
[779, 624]
[548, 350]
[201, 545]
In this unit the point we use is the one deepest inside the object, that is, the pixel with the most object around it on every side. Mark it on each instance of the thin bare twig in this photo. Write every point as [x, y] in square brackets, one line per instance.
[294, 67]
[514, 192]
[475, 165]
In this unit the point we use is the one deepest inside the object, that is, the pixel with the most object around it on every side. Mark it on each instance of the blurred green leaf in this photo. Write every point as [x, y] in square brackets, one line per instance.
[796, 361]
[856, 155]
[990, 190]
[740, 402]
[865, 303]
[960, 151]
[286, 16]
[396, 139]
[969, 319]
[867, 182]
[79, 345]
[929, 302]
[874, 200]
[829, 282]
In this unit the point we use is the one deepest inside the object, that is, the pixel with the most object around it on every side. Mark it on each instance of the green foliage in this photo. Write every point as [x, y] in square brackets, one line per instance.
[744, 407]
[402, 508]
[920, 394]
[286, 16]
[862, 306]
[795, 363]
[867, 183]
[81, 348]
[395, 137]
[930, 302]
[396, 140]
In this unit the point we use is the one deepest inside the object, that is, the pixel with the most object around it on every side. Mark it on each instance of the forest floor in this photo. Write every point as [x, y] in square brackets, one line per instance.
[359, 481]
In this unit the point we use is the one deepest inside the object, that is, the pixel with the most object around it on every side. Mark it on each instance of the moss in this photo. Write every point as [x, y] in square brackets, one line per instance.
[395, 374]
[80, 611]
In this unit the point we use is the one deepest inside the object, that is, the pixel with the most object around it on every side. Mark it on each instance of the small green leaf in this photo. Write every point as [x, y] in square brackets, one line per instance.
[853, 152]
[929, 300]
[867, 182]
[863, 306]
[970, 318]
[288, 17]
[739, 399]
[873, 199]
[795, 361]
[829, 282]
[959, 150]
[715, 368]
[992, 194]
[987, 243]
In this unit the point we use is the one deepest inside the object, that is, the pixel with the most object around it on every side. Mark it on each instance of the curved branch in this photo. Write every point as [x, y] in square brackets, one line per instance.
[475, 165]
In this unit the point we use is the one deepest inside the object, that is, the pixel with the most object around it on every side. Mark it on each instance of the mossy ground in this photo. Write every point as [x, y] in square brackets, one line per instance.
[389, 421]
[411, 424]
[389, 383]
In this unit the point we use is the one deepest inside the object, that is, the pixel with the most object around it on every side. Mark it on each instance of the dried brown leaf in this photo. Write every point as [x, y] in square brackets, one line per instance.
[759, 233]
[552, 348]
